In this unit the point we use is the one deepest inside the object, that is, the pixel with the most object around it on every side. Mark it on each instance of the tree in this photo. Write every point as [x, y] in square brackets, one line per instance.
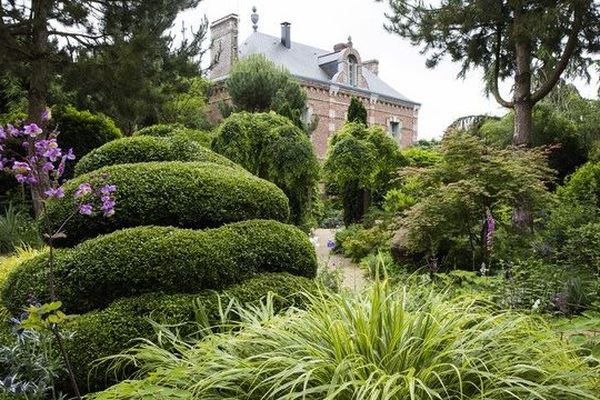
[357, 112]
[256, 84]
[534, 42]
[360, 165]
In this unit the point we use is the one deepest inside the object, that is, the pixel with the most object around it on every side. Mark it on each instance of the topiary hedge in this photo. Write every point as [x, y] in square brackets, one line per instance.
[204, 138]
[188, 195]
[81, 130]
[110, 331]
[139, 260]
[146, 149]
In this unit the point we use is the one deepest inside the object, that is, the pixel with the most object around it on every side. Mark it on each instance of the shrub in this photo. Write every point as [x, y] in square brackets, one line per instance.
[357, 242]
[187, 195]
[145, 149]
[147, 259]
[17, 229]
[176, 130]
[582, 248]
[271, 147]
[384, 344]
[109, 332]
[81, 130]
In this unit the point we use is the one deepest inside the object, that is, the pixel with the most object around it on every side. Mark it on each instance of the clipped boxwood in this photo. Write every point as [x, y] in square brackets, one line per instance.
[147, 259]
[188, 195]
[201, 137]
[146, 149]
[110, 331]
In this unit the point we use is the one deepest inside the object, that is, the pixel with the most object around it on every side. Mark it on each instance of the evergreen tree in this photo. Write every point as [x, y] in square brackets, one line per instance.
[533, 43]
[357, 112]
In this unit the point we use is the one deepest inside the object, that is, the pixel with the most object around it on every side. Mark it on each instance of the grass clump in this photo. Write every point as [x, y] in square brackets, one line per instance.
[384, 344]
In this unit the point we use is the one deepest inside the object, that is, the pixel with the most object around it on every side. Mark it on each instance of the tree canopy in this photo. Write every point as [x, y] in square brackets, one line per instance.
[533, 43]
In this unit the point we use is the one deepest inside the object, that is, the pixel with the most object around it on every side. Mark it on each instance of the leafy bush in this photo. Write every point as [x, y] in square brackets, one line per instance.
[396, 201]
[188, 195]
[82, 131]
[17, 229]
[271, 147]
[357, 242]
[145, 149]
[582, 248]
[148, 259]
[177, 130]
[385, 344]
[111, 331]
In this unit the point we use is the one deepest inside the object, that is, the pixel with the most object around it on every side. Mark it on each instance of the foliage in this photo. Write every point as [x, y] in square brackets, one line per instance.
[140, 149]
[253, 83]
[582, 248]
[188, 107]
[111, 331]
[30, 366]
[396, 201]
[421, 157]
[471, 183]
[582, 331]
[357, 112]
[357, 242]
[272, 148]
[188, 195]
[360, 166]
[17, 229]
[170, 260]
[394, 344]
[82, 131]
[177, 130]
[536, 43]
[290, 101]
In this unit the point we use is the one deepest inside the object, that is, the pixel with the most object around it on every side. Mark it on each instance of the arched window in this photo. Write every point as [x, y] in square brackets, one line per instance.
[352, 70]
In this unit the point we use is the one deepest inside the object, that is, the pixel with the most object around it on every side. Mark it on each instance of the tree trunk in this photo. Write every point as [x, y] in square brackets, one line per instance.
[523, 125]
[523, 104]
[38, 86]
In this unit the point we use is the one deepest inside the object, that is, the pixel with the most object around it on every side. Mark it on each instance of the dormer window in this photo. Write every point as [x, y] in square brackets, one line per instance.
[352, 70]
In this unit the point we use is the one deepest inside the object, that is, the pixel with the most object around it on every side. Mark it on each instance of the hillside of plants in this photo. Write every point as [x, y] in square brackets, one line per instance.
[148, 251]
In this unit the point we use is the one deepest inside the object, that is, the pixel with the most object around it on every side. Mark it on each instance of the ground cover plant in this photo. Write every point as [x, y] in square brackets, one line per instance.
[400, 343]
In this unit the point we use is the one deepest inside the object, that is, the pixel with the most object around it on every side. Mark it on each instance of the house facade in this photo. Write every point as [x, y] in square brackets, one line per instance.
[329, 77]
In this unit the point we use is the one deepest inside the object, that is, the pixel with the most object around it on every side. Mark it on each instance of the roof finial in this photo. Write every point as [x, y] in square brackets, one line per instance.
[254, 18]
[350, 41]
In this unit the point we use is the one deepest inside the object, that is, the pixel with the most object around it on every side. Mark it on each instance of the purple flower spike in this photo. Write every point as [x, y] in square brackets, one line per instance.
[85, 209]
[2, 134]
[46, 115]
[491, 226]
[330, 244]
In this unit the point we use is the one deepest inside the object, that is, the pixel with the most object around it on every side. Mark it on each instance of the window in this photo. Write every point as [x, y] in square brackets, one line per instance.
[352, 70]
[395, 129]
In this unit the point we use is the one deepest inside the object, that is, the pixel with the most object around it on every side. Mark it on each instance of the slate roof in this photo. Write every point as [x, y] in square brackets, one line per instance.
[304, 62]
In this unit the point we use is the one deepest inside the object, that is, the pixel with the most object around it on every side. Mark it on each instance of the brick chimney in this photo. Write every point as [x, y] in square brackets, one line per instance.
[224, 45]
[372, 65]
[286, 34]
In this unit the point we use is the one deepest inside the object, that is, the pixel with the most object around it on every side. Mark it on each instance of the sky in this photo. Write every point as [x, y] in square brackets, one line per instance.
[323, 23]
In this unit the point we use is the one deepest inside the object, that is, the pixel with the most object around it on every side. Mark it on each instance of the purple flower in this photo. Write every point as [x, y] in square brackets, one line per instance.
[49, 149]
[21, 168]
[57, 193]
[330, 244]
[70, 155]
[85, 209]
[48, 166]
[491, 226]
[83, 190]
[12, 131]
[46, 115]
[2, 133]
[32, 130]
[108, 189]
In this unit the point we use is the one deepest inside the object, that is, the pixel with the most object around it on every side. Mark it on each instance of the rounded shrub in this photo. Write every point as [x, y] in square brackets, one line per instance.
[81, 130]
[110, 331]
[146, 149]
[139, 260]
[271, 147]
[188, 195]
[202, 137]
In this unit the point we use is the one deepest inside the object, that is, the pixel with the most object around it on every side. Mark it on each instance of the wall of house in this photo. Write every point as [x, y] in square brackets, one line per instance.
[331, 106]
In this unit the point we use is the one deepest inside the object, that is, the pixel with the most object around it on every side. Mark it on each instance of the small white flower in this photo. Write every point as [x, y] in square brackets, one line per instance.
[536, 305]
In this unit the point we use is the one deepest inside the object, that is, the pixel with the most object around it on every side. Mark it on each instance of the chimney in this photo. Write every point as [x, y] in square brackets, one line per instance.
[286, 38]
[224, 45]
[372, 65]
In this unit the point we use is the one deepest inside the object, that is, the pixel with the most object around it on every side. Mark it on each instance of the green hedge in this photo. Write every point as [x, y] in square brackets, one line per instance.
[82, 131]
[110, 331]
[139, 260]
[146, 149]
[187, 195]
[177, 130]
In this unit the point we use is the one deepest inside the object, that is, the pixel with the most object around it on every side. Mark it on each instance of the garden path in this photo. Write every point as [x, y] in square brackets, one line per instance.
[352, 276]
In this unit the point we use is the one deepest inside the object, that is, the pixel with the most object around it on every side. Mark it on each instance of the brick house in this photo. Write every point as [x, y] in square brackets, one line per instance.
[330, 78]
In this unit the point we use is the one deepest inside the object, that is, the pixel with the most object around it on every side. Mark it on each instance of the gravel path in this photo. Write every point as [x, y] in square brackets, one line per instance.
[352, 276]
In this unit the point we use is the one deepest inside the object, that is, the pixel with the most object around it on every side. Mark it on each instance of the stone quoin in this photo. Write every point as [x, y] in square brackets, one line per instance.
[329, 77]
